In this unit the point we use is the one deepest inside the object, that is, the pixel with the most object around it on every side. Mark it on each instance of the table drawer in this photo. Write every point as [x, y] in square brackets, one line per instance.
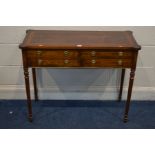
[116, 63]
[53, 54]
[54, 63]
[108, 54]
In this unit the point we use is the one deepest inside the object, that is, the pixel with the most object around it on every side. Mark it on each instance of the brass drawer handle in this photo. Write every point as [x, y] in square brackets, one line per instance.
[120, 53]
[120, 62]
[66, 61]
[40, 62]
[93, 61]
[39, 52]
[66, 52]
[93, 53]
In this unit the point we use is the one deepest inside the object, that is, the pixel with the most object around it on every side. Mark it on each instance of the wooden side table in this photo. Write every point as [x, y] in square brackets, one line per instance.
[79, 49]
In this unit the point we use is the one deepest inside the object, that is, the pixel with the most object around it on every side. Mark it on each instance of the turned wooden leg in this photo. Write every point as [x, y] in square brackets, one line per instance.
[132, 75]
[35, 84]
[121, 85]
[27, 85]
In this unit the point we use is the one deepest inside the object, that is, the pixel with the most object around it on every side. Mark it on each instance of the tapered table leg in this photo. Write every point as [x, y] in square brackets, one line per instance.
[121, 85]
[132, 75]
[35, 84]
[27, 85]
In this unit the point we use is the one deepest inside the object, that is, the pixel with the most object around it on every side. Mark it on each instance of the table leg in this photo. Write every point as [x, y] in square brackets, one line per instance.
[27, 85]
[35, 84]
[121, 85]
[132, 75]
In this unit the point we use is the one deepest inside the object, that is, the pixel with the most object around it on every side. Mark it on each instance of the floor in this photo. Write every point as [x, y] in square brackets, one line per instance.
[76, 114]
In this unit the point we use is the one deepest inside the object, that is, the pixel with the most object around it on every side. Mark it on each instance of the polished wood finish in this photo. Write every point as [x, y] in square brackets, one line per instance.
[35, 84]
[53, 54]
[27, 84]
[80, 58]
[106, 54]
[131, 81]
[121, 85]
[79, 49]
[47, 39]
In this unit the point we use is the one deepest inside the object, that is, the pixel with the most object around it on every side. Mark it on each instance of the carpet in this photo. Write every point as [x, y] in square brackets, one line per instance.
[76, 114]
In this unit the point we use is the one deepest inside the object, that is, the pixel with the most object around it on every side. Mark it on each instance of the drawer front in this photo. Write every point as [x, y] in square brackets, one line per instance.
[54, 63]
[120, 63]
[53, 54]
[109, 54]
[115, 63]
[81, 58]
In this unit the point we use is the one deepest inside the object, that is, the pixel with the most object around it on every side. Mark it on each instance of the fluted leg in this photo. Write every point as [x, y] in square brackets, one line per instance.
[35, 84]
[27, 85]
[132, 75]
[121, 85]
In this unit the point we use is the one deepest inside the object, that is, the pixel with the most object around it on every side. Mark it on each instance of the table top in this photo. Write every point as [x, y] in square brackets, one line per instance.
[59, 39]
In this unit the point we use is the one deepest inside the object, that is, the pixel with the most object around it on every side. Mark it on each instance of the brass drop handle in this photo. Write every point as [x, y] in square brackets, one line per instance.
[120, 53]
[93, 61]
[39, 52]
[93, 53]
[120, 62]
[66, 52]
[39, 62]
[66, 61]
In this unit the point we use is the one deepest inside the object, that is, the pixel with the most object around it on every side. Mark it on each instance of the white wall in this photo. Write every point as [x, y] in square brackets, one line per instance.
[76, 83]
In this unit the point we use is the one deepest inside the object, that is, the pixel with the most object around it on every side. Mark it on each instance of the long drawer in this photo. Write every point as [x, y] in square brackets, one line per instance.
[53, 54]
[54, 63]
[87, 54]
[115, 63]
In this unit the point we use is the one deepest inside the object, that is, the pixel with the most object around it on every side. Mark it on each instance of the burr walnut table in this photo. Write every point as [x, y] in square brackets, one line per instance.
[79, 49]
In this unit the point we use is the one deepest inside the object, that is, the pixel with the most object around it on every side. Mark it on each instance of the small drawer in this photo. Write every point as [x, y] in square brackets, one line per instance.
[106, 54]
[115, 63]
[54, 63]
[53, 54]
